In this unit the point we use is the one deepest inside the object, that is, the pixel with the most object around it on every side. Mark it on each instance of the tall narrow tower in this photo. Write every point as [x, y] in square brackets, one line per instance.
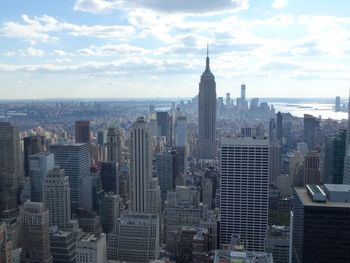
[11, 172]
[207, 114]
[140, 166]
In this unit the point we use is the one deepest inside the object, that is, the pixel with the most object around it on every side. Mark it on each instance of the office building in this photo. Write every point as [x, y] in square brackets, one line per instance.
[109, 212]
[207, 114]
[39, 166]
[274, 162]
[279, 128]
[181, 131]
[114, 145]
[244, 186]
[92, 249]
[10, 166]
[312, 172]
[110, 177]
[62, 246]
[321, 229]
[74, 160]
[334, 158]
[82, 132]
[101, 137]
[165, 126]
[310, 125]
[90, 192]
[277, 243]
[32, 145]
[140, 166]
[56, 197]
[35, 233]
[6, 245]
[165, 172]
[136, 239]
[337, 104]
[89, 221]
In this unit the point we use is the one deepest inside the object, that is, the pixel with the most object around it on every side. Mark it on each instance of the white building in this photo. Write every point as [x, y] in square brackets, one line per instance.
[56, 197]
[136, 239]
[244, 186]
[92, 249]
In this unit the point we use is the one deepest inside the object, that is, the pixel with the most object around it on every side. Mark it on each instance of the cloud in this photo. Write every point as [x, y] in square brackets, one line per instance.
[278, 66]
[40, 29]
[167, 6]
[279, 4]
[28, 52]
[112, 50]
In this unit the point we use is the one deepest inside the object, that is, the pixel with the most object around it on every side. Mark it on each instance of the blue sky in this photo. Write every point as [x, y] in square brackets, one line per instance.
[156, 48]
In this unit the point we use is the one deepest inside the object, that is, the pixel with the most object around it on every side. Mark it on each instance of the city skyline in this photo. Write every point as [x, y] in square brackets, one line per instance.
[95, 49]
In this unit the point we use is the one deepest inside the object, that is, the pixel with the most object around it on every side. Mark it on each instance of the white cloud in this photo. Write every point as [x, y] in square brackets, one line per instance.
[167, 6]
[279, 4]
[28, 52]
[113, 50]
[41, 29]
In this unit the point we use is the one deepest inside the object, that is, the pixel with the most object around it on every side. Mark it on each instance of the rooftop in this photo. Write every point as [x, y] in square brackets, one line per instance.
[227, 256]
[307, 201]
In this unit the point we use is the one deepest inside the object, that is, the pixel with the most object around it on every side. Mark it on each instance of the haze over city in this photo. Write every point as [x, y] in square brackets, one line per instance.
[149, 49]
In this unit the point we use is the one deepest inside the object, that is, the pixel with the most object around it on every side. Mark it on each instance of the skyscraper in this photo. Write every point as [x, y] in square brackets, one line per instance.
[334, 158]
[165, 172]
[207, 114]
[164, 121]
[140, 166]
[101, 137]
[244, 187]
[312, 171]
[32, 145]
[74, 159]
[320, 219]
[114, 145]
[35, 233]
[11, 172]
[279, 127]
[181, 131]
[82, 132]
[310, 124]
[337, 104]
[39, 166]
[56, 197]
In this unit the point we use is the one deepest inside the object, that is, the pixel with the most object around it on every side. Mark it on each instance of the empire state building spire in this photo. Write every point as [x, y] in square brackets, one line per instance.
[207, 65]
[207, 114]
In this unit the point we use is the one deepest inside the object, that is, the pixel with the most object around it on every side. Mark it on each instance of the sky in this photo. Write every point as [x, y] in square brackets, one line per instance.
[157, 48]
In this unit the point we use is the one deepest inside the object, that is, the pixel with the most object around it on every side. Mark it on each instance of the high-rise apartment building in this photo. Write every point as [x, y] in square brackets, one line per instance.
[32, 145]
[82, 132]
[39, 166]
[56, 197]
[207, 114]
[11, 173]
[244, 188]
[140, 166]
[74, 159]
[35, 233]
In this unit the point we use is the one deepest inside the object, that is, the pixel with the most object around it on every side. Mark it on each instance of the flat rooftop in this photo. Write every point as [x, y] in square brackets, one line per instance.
[307, 201]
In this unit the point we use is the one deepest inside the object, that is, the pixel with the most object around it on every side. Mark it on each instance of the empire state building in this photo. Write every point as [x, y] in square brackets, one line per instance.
[207, 114]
